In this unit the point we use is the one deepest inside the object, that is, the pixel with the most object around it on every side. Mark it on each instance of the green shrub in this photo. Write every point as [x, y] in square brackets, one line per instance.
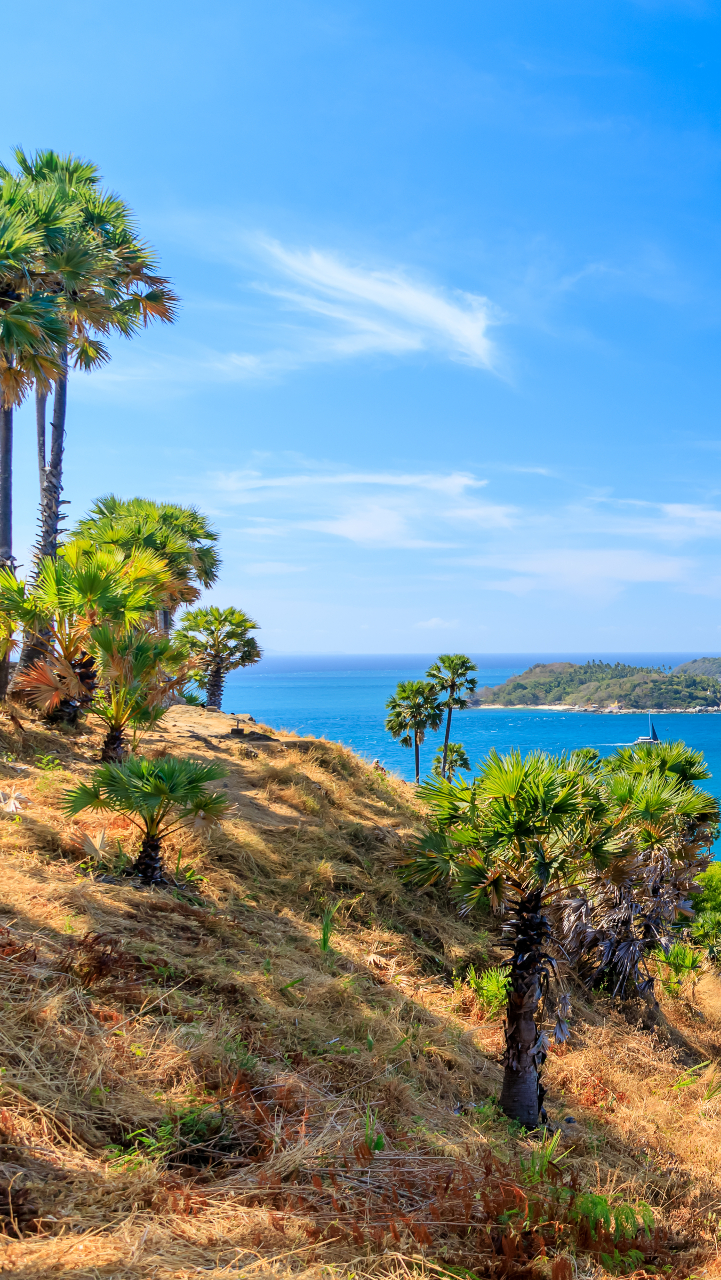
[706, 933]
[374, 1141]
[326, 927]
[709, 899]
[598, 1212]
[534, 1169]
[680, 962]
[490, 987]
[48, 762]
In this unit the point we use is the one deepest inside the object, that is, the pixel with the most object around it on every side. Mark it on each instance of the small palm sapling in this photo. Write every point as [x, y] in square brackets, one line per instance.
[159, 796]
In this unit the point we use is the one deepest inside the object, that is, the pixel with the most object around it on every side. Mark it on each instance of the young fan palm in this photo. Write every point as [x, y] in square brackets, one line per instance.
[615, 921]
[69, 597]
[134, 683]
[218, 642]
[519, 833]
[412, 710]
[181, 535]
[661, 758]
[455, 758]
[158, 796]
[451, 675]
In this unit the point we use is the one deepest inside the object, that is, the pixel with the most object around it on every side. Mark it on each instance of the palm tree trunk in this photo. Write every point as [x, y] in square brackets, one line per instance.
[41, 400]
[112, 752]
[51, 477]
[416, 745]
[149, 863]
[216, 680]
[65, 713]
[6, 486]
[6, 515]
[522, 1093]
[445, 740]
[69, 710]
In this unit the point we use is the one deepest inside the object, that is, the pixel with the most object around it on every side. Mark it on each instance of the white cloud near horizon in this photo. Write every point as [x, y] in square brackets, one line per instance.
[438, 624]
[590, 548]
[586, 571]
[373, 509]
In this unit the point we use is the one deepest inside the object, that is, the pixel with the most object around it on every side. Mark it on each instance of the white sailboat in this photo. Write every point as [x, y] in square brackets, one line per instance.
[652, 735]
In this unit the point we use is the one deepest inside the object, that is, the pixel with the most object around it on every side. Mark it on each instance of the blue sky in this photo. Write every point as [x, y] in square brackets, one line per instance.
[447, 373]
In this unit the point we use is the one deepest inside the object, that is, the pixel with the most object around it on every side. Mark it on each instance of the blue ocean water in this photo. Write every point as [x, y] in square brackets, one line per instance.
[343, 698]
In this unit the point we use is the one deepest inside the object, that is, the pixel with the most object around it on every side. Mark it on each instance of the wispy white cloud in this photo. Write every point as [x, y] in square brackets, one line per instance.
[302, 307]
[372, 310]
[373, 524]
[371, 508]
[485, 515]
[240, 483]
[672, 522]
[594, 548]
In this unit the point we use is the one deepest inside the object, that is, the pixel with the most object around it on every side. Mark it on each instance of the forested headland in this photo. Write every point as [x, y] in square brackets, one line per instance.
[605, 685]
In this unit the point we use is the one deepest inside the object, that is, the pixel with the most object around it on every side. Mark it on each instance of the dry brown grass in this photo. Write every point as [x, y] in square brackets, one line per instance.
[210, 1015]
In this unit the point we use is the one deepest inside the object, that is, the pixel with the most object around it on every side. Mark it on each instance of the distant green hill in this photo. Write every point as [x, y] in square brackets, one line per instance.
[602, 684]
[700, 667]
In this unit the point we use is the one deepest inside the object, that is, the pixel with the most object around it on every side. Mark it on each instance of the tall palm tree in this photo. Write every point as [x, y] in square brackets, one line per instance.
[520, 833]
[31, 344]
[103, 278]
[584, 858]
[32, 333]
[32, 338]
[451, 675]
[412, 710]
[218, 642]
[158, 796]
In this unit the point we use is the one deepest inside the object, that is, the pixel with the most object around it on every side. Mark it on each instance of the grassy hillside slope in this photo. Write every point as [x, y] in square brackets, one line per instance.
[604, 684]
[191, 1085]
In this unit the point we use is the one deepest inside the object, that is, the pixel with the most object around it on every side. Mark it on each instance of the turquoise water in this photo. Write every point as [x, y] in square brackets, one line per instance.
[343, 698]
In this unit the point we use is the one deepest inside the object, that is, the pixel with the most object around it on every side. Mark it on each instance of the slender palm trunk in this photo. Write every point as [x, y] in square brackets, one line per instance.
[51, 474]
[522, 1093]
[417, 748]
[112, 752]
[41, 401]
[6, 515]
[445, 740]
[149, 863]
[6, 486]
[216, 680]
